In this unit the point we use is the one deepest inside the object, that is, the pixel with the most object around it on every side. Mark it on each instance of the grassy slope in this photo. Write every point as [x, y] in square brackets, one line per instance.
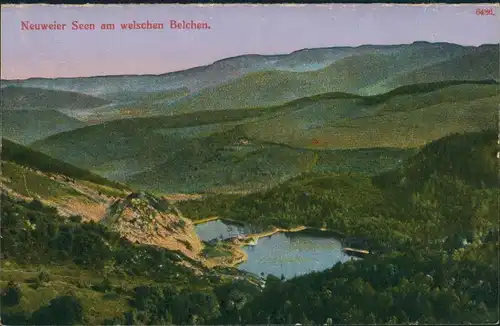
[32, 175]
[385, 120]
[31, 184]
[24, 156]
[414, 129]
[27, 126]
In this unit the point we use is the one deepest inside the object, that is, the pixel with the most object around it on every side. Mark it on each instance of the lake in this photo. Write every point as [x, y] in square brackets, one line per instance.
[288, 253]
[218, 229]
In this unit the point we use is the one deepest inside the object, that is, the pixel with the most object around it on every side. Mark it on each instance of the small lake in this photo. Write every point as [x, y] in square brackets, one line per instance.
[220, 230]
[293, 254]
[289, 254]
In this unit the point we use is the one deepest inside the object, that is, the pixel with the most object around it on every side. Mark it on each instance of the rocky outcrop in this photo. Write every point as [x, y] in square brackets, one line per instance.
[68, 195]
[146, 219]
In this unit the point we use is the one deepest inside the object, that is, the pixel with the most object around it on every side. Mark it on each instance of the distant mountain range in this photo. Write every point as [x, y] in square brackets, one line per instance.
[205, 76]
[258, 80]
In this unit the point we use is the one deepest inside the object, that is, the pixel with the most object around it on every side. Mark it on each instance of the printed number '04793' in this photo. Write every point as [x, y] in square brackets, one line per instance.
[485, 12]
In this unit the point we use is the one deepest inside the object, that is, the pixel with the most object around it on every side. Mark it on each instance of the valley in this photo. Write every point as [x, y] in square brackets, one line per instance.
[242, 150]
[354, 204]
[229, 193]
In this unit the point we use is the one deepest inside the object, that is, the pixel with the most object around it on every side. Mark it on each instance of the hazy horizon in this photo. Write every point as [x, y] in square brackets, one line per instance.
[266, 30]
[236, 56]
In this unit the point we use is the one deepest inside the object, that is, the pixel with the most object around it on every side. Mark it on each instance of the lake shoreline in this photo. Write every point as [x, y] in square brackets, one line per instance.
[242, 241]
[216, 218]
[205, 220]
[273, 231]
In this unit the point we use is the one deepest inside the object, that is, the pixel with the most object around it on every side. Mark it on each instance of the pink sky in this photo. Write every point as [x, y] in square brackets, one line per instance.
[235, 30]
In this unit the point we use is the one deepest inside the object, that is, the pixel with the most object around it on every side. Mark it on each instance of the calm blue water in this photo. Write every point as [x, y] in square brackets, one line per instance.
[288, 254]
[218, 229]
[293, 254]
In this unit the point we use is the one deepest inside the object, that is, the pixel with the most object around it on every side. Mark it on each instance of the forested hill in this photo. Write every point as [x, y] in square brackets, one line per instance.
[443, 204]
[435, 256]
[27, 157]
[449, 187]
[58, 271]
[413, 288]
[436, 243]
[470, 157]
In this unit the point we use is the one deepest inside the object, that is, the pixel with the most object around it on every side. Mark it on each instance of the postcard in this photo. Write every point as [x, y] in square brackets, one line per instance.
[249, 164]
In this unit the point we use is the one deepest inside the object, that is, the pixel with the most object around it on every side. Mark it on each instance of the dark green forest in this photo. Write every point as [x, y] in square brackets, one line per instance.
[34, 234]
[447, 192]
[432, 227]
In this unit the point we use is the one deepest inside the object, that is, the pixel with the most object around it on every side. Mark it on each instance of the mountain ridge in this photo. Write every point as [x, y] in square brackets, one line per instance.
[263, 80]
[360, 73]
[259, 55]
[191, 149]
